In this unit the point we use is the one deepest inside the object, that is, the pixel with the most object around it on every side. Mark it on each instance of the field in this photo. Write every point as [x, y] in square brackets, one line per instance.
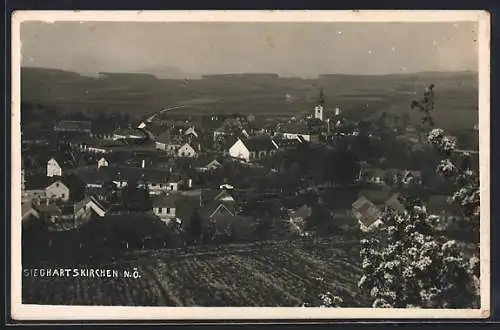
[360, 97]
[279, 273]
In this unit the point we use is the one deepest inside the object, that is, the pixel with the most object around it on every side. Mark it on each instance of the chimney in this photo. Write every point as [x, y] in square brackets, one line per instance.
[143, 164]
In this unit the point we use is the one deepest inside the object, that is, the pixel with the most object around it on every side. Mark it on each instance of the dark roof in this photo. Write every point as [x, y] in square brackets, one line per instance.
[259, 143]
[64, 161]
[215, 209]
[287, 143]
[95, 176]
[74, 125]
[165, 201]
[295, 128]
[37, 182]
[164, 137]
[137, 173]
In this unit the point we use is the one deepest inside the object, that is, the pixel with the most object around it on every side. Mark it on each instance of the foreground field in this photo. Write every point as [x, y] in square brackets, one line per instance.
[270, 274]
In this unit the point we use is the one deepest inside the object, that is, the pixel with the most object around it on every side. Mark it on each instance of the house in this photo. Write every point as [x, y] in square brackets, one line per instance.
[412, 177]
[74, 126]
[187, 151]
[191, 133]
[128, 134]
[367, 214]
[284, 143]
[102, 163]
[164, 206]
[253, 148]
[206, 164]
[28, 212]
[372, 175]
[54, 168]
[296, 130]
[158, 181]
[57, 191]
[48, 211]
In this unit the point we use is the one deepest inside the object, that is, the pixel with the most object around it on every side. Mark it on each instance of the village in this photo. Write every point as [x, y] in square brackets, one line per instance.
[173, 180]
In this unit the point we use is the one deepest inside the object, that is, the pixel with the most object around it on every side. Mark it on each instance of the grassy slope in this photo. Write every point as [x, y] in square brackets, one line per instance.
[360, 96]
[269, 274]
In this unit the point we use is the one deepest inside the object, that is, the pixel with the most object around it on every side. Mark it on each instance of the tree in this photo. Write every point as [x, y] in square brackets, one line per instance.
[194, 230]
[406, 262]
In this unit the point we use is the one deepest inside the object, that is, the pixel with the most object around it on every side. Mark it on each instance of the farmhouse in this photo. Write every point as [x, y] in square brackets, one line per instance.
[186, 151]
[57, 191]
[366, 213]
[164, 206]
[206, 164]
[54, 167]
[102, 163]
[254, 148]
[294, 131]
[28, 212]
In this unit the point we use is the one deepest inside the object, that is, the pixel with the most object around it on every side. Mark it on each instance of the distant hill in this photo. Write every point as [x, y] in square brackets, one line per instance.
[259, 94]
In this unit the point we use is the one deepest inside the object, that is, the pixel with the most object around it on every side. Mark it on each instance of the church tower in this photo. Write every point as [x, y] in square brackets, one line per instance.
[318, 110]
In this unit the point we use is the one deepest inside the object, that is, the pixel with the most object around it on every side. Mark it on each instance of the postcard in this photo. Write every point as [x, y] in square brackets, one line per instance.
[250, 165]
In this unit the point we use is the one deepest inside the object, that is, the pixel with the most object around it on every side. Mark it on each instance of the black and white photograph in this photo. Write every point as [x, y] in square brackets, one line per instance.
[321, 164]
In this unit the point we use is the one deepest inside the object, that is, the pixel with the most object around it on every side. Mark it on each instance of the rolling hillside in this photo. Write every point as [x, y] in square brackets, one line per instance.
[259, 94]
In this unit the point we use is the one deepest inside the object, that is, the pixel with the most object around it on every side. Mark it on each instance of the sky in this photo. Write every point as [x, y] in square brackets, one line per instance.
[289, 49]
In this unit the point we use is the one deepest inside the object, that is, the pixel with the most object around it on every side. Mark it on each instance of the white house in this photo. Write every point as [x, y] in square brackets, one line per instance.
[53, 168]
[191, 132]
[57, 190]
[164, 207]
[102, 163]
[186, 151]
[254, 148]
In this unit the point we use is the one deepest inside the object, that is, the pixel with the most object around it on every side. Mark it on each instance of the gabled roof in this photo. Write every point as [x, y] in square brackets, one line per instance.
[224, 196]
[164, 137]
[259, 143]
[63, 161]
[165, 201]
[215, 209]
[295, 128]
[365, 211]
[191, 130]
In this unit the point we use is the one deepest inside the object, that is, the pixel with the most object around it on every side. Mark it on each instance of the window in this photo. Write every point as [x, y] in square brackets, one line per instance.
[172, 187]
[159, 210]
[168, 210]
[161, 185]
[62, 195]
[57, 184]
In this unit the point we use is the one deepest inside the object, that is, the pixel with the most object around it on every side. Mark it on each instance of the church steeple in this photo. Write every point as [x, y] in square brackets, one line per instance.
[318, 110]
